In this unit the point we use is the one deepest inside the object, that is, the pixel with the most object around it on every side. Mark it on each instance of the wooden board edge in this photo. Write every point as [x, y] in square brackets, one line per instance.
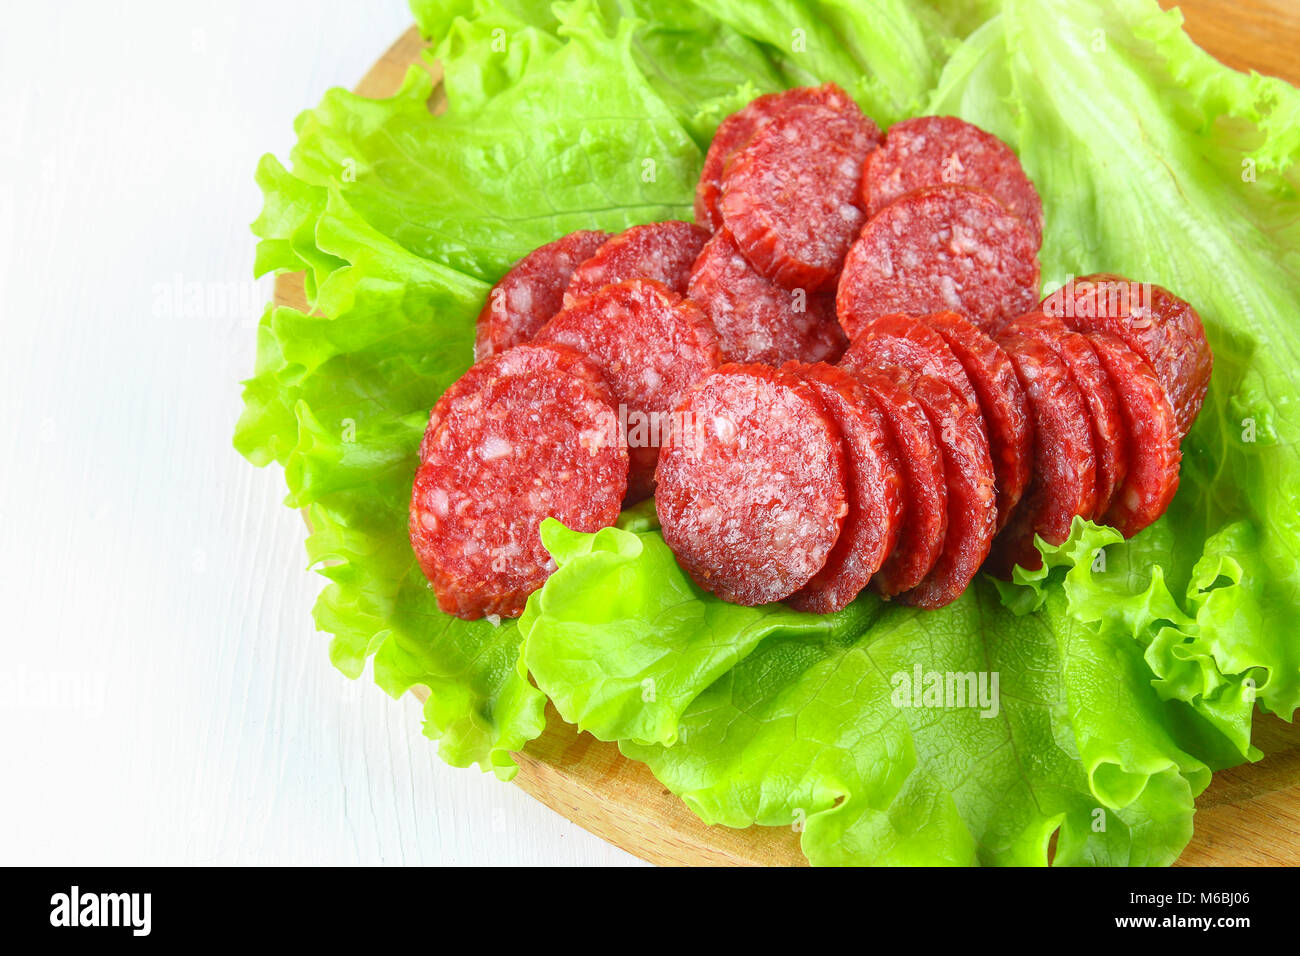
[591, 783]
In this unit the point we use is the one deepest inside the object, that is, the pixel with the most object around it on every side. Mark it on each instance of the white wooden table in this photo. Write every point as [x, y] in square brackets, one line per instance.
[164, 696]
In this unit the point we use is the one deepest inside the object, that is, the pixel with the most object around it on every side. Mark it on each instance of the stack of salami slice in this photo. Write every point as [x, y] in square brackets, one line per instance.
[840, 377]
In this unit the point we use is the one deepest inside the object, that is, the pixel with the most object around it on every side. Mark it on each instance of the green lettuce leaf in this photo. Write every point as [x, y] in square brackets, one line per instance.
[623, 641]
[768, 716]
[1114, 587]
[577, 140]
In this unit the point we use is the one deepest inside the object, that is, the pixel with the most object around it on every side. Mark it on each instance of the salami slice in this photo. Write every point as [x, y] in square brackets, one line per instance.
[1002, 402]
[968, 473]
[531, 292]
[520, 449]
[909, 343]
[875, 491]
[651, 345]
[1064, 482]
[1109, 438]
[758, 320]
[663, 251]
[752, 484]
[1153, 437]
[1155, 323]
[940, 248]
[737, 129]
[932, 150]
[790, 196]
[520, 360]
[925, 504]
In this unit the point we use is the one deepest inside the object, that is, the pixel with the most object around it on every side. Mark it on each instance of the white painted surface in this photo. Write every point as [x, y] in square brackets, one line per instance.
[164, 697]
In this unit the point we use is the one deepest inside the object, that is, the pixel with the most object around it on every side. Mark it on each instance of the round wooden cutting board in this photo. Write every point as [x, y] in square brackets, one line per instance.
[1249, 815]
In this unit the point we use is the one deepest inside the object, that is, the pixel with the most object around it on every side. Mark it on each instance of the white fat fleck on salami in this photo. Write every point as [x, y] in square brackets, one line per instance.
[949, 293]
[964, 242]
[495, 447]
[520, 298]
[593, 440]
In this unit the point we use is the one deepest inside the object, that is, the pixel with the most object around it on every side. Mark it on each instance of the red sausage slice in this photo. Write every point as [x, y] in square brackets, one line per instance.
[531, 292]
[968, 472]
[790, 196]
[737, 129]
[522, 448]
[1153, 322]
[526, 359]
[1065, 466]
[875, 491]
[1002, 402]
[758, 320]
[982, 374]
[940, 248]
[1109, 437]
[751, 490]
[663, 251]
[909, 343]
[651, 345]
[1153, 436]
[932, 150]
[925, 503]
